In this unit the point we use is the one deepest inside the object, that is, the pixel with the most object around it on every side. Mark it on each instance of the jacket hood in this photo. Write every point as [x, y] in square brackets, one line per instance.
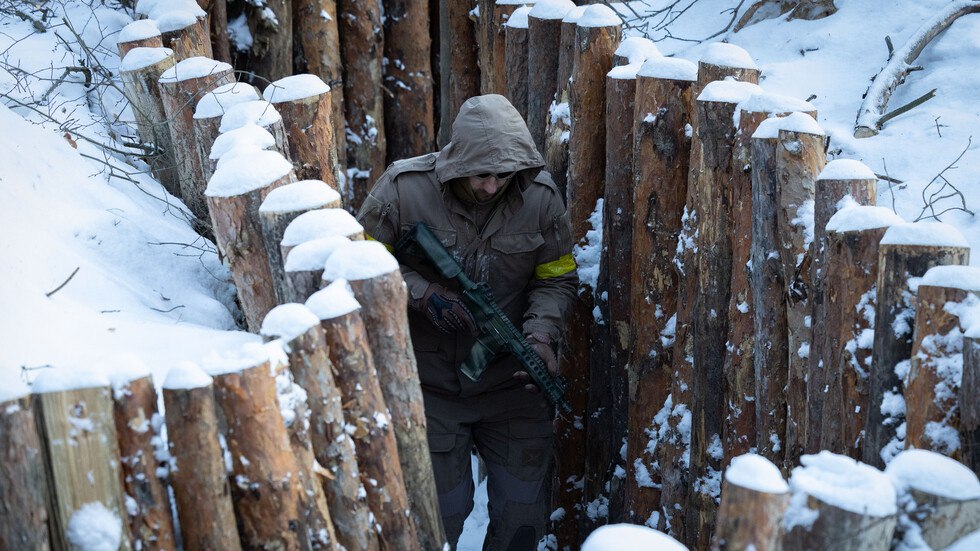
[489, 136]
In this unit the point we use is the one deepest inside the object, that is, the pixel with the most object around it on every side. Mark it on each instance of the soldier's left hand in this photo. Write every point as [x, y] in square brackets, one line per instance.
[541, 344]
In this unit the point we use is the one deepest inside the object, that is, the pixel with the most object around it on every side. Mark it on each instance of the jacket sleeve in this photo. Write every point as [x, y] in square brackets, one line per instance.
[552, 291]
[379, 215]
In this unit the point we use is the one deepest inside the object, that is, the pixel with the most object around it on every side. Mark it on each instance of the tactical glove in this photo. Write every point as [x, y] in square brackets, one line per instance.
[446, 310]
[541, 343]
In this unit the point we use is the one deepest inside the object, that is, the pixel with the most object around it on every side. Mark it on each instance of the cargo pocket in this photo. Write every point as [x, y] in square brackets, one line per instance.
[529, 449]
[447, 462]
[514, 258]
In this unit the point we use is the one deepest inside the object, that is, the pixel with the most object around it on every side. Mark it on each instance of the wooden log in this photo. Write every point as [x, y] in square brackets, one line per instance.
[138, 429]
[544, 36]
[218, 20]
[635, 49]
[906, 251]
[142, 33]
[208, 114]
[23, 479]
[932, 386]
[198, 477]
[851, 264]
[180, 88]
[722, 60]
[362, 50]
[260, 113]
[494, 14]
[516, 54]
[460, 70]
[376, 280]
[271, 55]
[247, 128]
[81, 456]
[309, 362]
[234, 195]
[366, 412]
[320, 223]
[408, 80]
[278, 209]
[186, 32]
[970, 400]
[140, 74]
[304, 266]
[559, 122]
[840, 178]
[661, 152]
[754, 498]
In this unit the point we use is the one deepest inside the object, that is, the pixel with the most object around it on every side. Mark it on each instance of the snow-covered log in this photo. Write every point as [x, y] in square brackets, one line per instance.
[847, 326]
[722, 60]
[839, 179]
[906, 251]
[138, 34]
[970, 399]
[140, 441]
[754, 498]
[544, 36]
[320, 223]
[304, 266]
[362, 51]
[246, 128]
[408, 99]
[234, 195]
[516, 55]
[81, 456]
[208, 114]
[270, 23]
[141, 70]
[559, 118]
[218, 24]
[942, 309]
[376, 281]
[459, 60]
[23, 480]
[368, 418]
[185, 32]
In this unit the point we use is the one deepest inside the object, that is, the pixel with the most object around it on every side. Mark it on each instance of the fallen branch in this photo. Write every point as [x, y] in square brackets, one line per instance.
[65, 282]
[907, 107]
[931, 201]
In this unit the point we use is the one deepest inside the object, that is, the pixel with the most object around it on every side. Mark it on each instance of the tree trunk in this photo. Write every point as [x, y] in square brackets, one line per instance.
[749, 519]
[138, 427]
[23, 480]
[559, 118]
[238, 232]
[199, 481]
[218, 18]
[493, 65]
[828, 193]
[362, 51]
[970, 401]
[81, 456]
[208, 113]
[544, 38]
[836, 528]
[460, 71]
[515, 73]
[408, 80]
[143, 91]
[191, 41]
[271, 55]
[897, 262]
[308, 127]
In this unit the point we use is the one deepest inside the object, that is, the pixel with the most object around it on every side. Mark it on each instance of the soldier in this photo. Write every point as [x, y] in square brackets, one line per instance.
[487, 199]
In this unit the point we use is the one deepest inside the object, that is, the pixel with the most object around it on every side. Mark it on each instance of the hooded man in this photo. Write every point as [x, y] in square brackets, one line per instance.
[487, 199]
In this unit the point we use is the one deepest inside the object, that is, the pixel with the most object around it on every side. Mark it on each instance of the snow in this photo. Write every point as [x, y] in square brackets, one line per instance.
[934, 474]
[260, 169]
[844, 483]
[359, 260]
[218, 101]
[333, 301]
[259, 112]
[175, 20]
[12, 389]
[295, 87]
[598, 15]
[141, 58]
[138, 30]
[288, 321]
[637, 49]
[729, 91]
[756, 473]
[550, 9]
[617, 537]
[312, 255]
[925, 234]
[93, 527]
[795, 122]
[966, 278]
[625, 72]
[970, 542]
[154, 9]
[728, 55]
[185, 376]
[193, 67]
[300, 196]
[862, 217]
[247, 137]
[588, 255]
[234, 361]
[767, 102]
[122, 369]
[518, 19]
[574, 15]
[60, 379]
[671, 68]
[320, 223]
[846, 169]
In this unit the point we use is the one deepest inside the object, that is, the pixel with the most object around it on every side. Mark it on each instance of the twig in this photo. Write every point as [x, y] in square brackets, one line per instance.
[59, 287]
[907, 107]
[929, 203]
[886, 178]
[891, 187]
[167, 311]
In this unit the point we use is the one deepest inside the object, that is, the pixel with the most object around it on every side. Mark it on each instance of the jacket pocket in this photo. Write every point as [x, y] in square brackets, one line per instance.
[512, 264]
[516, 242]
[446, 237]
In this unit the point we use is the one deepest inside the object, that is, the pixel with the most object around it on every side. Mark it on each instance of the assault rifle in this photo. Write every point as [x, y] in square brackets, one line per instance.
[496, 330]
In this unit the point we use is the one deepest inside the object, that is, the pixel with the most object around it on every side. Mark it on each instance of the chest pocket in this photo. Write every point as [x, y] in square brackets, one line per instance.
[514, 257]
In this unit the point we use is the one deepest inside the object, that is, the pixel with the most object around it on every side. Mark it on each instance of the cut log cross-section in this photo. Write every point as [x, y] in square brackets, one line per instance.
[23, 480]
[208, 114]
[199, 481]
[544, 36]
[754, 498]
[408, 95]
[516, 54]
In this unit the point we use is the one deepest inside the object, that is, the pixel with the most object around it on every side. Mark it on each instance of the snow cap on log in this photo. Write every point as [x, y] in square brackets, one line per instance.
[185, 376]
[669, 68]
[514, 2]
[123, 369]
[928, 234]
[13, 389]
[138, 30]
[518, 19]
[302, 195]
[288, 321]
[359, 260]
[155, 9]
[614, 537]
[258, 112]
[934, 474]
[250, 136]
[965, 278]
[841, 482]
[260, 169]
[624, 72]
[60, 379]
[141, 58]
[333, 301]
[551, 9]
[194, 67]
[217, 102]
[727, 55]
[312, 255]
[176, 20]
[599, 15]
[795, 122]
[756, 473]
[729, 91]
[856, 217]
[295, 87]
[767, 102]
[637, 49]
[320, 223]
[249, 355]
[846, 169]
[574, 14]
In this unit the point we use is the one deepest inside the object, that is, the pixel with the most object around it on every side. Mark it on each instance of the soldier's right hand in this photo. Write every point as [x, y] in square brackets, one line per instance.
[446, 310]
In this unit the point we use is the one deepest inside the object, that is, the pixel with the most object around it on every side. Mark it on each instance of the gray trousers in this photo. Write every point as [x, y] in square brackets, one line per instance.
[512, 431]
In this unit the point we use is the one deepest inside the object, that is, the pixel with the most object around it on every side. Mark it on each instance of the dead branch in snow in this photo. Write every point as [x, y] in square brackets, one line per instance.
[946, 191]
[654, 23]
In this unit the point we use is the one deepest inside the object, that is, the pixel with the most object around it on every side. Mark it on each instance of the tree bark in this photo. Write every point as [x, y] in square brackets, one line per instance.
[137, 426]
[199, 481]
[836, 528]
[362, 50]
[493, 65]
[970, 402]
[271, 25]
[309, 132]
[191, 41]
[544, 38]
[559, 118]
[218, 20]
[515, 73]
[749, 519]
[148, 42]
[408, 80]
[23, 479]
[460, 71]
[944, 520]
[709, 72]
